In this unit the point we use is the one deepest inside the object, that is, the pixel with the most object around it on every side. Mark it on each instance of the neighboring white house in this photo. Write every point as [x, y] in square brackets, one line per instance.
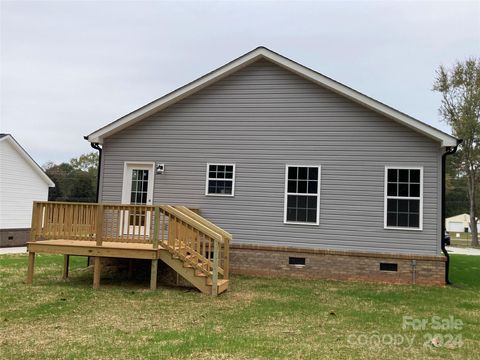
[22, 181]
[459, 223]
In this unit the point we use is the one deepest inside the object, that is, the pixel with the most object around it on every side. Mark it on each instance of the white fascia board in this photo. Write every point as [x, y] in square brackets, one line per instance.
[179, 94]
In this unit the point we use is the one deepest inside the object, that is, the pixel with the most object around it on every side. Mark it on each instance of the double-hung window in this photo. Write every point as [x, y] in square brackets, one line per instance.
[403, 198]
[220, 179]
[302, 195]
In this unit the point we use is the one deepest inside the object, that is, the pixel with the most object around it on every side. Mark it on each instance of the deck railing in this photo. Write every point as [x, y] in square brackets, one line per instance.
[177, 229]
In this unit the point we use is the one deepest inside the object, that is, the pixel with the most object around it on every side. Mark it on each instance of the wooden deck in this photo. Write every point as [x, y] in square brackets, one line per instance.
[90, 248]
[192, 246]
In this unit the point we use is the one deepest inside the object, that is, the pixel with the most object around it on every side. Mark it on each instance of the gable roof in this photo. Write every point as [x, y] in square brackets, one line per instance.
[460, 217]
[264, 53]
[28, 159]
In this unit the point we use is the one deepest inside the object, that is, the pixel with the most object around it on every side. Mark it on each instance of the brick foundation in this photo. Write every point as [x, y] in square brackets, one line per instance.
[337, 265]
[14, 237]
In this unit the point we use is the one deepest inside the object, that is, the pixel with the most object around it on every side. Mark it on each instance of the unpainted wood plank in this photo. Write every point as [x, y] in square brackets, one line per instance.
[97, 269]
[99, 225]
[31, 267]
[215, 268]
[153, 275]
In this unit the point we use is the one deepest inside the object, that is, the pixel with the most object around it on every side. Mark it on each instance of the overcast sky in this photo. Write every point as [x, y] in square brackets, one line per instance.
[68, 68]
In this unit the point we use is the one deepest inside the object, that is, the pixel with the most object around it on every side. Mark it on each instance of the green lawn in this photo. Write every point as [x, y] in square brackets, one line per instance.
[257, 318]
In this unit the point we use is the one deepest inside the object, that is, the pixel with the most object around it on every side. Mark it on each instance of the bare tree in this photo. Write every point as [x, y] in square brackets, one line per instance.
[460, 108]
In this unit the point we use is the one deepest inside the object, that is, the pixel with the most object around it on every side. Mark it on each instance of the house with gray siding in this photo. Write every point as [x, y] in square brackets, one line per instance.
[312, 178]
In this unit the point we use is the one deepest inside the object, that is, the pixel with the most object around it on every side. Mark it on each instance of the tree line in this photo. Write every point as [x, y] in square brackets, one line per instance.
[75, 180]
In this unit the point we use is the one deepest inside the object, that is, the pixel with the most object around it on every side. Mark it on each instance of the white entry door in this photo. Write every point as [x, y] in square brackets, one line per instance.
[138, 190]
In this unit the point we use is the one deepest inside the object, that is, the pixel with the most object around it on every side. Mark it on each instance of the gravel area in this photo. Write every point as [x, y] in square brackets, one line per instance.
[463, 251]
[13, 250]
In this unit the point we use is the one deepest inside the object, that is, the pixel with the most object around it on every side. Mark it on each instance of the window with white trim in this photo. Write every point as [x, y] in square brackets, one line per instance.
[302, 194]
[220, 179]
[403, 197]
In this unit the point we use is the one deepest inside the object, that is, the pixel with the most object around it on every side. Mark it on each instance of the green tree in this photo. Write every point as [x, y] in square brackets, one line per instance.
[74, 181]
[85, 162]
[460, 108]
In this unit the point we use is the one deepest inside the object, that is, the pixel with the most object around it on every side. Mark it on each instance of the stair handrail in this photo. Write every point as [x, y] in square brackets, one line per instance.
[192, 222]
[201, 219]
[227, 237]
[218, 235]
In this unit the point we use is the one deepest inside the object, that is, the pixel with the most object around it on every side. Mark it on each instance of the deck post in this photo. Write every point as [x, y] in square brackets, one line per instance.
[99, 225]
[33, 227]
[31, 266]
[226, 257]
[154, 269]
[66, 262]
[153, 275]
[215, 268]
[156, 223]
[96, 272]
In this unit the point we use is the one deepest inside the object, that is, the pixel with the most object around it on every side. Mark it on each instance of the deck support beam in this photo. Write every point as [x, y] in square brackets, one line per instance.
[31, 266]
[153, 275]
[66, 263]
[96, 272]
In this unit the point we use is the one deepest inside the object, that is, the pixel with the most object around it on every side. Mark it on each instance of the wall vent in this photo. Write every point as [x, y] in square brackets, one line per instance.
[388, 267]
[296, 260]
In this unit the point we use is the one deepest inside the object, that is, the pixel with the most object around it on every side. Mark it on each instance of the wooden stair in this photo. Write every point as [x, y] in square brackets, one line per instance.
[201, 281]
[196, 249]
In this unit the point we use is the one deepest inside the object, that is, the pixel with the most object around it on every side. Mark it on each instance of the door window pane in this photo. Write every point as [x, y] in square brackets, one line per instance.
[138, 196]
[139, 188]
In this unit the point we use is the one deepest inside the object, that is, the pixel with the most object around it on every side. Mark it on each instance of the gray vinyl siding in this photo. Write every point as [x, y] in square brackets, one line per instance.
[262, 118]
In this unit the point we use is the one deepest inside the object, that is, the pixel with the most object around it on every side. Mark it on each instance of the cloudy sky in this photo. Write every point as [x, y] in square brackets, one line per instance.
[70, 67]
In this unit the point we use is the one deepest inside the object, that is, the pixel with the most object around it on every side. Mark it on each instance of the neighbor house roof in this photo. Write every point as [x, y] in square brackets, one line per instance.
[28, 159]
[460, 217]
[264, 53]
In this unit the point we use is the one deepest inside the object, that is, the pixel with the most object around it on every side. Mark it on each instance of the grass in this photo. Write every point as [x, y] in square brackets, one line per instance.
[257, 318]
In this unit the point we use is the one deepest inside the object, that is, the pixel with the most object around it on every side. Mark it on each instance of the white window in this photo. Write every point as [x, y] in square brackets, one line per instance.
[403, 198]
[302, 194]
[220, 180]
